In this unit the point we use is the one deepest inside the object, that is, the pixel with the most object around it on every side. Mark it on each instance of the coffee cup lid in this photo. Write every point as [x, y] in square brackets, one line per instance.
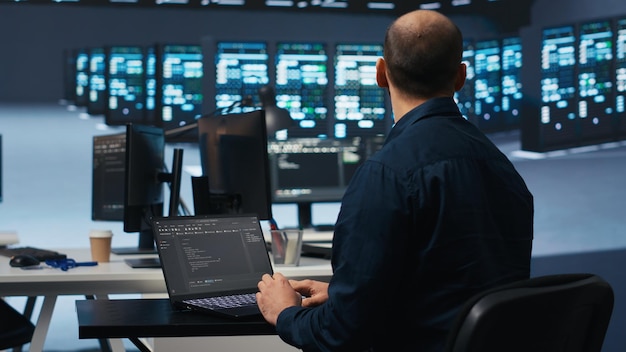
[100, 233]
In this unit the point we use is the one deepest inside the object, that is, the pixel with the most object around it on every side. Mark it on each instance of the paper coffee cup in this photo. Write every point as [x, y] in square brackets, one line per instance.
[100, 241]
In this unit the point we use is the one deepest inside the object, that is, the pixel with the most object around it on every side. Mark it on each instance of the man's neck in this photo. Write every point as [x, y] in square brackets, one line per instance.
[402, 104]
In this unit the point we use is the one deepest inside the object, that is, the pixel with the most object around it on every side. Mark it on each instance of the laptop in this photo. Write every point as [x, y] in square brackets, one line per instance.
[213, 263]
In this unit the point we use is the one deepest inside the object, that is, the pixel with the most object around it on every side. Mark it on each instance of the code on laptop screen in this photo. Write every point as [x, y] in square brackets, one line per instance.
[201, 254]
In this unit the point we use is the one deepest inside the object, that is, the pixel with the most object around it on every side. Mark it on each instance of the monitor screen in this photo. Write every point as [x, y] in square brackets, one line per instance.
[511, 82]
[360, 105]
[620, 73]
[595, 81]
[234, 158]
[81, 96]
[465, 97]
[179, 86]
[126, 86]
[301, 88]
[241, 68]
[311, 170]
[107, 191]
[96, 104]
[487, 85]
[558, 87]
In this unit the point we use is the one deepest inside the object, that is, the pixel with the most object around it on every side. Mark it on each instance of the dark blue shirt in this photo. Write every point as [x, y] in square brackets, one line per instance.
[437, 215]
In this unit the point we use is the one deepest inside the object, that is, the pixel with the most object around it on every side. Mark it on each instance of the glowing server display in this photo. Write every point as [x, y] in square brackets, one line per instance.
[241, 69]
[620, 75]
[465, 97]
[595, 81]
[359, 102]
[179, 82]
[96, 104]
[82, 77]
[558, 87]
[488, 85]
[301, 87]
[511, 83]
[126, 86]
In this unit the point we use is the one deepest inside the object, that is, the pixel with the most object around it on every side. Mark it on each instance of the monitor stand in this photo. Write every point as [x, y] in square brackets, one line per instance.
[305, 219]
[146, 245]
[132, 250]
[304, 215]
[143, 262]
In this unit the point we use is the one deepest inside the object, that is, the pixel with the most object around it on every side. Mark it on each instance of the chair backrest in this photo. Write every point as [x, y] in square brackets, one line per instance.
[553, 313]
[15, 328]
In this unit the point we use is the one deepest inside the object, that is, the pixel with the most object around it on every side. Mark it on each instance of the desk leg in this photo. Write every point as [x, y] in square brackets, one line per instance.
[139, 344]
[117, 345]
[43, 323]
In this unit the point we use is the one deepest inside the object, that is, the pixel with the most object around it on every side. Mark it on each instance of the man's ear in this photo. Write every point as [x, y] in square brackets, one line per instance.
[381, 73]
[461, 74]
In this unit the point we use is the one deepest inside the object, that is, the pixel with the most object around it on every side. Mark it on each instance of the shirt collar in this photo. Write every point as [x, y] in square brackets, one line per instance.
[442, 106]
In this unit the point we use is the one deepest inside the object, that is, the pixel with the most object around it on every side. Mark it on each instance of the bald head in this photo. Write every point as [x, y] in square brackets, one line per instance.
[423, 52]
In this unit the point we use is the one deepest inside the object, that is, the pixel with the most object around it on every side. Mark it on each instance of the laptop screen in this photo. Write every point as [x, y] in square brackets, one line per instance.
[205, 256]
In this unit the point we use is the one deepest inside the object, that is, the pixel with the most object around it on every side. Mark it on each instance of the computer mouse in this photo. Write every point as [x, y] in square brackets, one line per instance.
[22, 260]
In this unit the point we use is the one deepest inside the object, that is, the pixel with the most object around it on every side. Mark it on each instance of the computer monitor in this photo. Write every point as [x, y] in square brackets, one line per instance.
[310, 170]
[234, 159]
[96, 104]
[125, 85]
[302, 86]
[107, 191]
[179, 71]
[143, 190]
[128, 177]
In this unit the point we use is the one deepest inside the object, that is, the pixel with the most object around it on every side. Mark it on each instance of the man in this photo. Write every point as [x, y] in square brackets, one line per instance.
[437, 215]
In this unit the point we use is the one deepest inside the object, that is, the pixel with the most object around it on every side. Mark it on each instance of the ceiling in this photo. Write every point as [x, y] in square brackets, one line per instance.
[495, 10]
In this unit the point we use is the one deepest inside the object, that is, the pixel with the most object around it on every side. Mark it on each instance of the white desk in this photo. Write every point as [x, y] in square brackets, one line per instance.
[308, 235]
[115, 277]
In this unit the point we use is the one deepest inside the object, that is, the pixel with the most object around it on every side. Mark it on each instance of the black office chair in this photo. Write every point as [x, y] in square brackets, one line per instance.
[15, 328]
[554, 313]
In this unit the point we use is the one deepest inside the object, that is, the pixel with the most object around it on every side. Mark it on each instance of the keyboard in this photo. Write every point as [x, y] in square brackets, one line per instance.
[39, 253]
[229, 301]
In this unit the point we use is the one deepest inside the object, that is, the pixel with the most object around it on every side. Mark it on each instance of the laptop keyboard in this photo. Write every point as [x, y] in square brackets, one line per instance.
[230, 301]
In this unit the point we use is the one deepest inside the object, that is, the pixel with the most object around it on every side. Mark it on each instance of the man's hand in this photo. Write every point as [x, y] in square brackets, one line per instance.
[275, 294]
[314, 292]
